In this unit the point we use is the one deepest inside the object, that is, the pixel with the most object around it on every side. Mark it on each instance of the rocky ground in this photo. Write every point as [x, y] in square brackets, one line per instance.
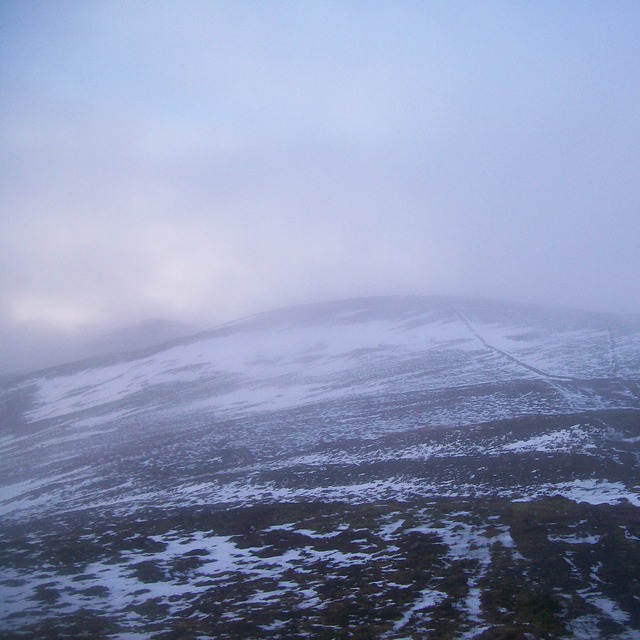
[493, 531]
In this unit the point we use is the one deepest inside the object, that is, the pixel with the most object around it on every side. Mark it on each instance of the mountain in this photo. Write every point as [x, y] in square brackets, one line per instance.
[375, 468]
[32, 347]
[148, 333]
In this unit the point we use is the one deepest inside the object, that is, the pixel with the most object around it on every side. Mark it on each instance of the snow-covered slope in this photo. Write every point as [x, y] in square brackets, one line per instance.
[299, 378]
[321, 352]
[382, 401]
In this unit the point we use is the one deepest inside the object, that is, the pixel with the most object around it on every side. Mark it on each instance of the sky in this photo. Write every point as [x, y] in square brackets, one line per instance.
[200, 161]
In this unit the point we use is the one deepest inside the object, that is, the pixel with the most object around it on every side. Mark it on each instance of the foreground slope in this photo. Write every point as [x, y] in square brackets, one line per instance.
[382, 467]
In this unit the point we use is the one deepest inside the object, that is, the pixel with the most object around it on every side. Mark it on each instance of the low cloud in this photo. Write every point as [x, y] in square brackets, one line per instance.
[197, 164]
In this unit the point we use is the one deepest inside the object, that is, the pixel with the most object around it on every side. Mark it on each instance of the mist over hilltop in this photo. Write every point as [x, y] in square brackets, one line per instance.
[202, 162]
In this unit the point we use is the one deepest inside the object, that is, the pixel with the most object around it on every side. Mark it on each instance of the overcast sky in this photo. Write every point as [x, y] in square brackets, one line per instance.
[199, 161]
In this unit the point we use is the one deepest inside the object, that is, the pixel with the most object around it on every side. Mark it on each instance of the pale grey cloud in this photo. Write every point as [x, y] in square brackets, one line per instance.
[196, 161]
